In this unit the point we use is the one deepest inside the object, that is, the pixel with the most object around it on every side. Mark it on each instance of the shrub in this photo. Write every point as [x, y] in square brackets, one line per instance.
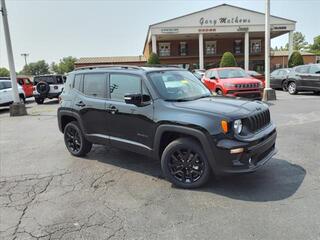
[228, 60]
[295, 59]
[153, 59]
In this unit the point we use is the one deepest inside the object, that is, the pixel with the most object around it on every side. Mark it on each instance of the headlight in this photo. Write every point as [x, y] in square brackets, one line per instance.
[237, 126]
[229, 85]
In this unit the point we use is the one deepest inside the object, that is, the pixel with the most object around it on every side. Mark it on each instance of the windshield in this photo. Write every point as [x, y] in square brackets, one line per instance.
[232, 73]
[178, 85]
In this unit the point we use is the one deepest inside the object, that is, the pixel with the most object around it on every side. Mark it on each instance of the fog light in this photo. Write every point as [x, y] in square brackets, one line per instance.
[236, 150]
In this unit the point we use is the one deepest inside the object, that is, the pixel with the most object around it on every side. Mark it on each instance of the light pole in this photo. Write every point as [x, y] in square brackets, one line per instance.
[17, 108]
[268, 93]
[25, 55]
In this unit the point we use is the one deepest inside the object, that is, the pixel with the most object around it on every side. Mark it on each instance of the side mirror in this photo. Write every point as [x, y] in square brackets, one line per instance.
[137, 99]
[213, 78]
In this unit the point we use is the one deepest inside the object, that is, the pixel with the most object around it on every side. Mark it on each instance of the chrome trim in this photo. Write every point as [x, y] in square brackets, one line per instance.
[119, 140]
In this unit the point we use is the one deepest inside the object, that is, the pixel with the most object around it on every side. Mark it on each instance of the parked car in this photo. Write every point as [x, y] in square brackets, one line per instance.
[258, 76]
[166, 114]
[6, 96]
[47, 86]
[304, 78]
[25, 83]
[233, 81]
[278, 78]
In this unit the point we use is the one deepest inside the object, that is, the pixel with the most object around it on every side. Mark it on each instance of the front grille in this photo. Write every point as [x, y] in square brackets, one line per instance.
[247, 85]
[257, 121]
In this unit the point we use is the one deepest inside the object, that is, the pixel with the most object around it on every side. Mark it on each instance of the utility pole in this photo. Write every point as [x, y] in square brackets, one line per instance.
[25, 55]
[268, 93]
[17, 108]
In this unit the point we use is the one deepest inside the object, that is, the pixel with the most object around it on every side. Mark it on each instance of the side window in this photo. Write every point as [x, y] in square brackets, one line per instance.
[6, 85]
[275, 73]
[122, 84]
[77, 82]
[1, 86]
[303, 69]
[207, 74]
[314, 69]
[94, 85]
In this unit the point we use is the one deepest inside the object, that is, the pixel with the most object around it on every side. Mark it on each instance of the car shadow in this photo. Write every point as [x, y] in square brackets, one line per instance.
[277, 180]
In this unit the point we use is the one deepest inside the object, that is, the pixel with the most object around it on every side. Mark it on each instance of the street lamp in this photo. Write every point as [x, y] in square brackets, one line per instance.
[17, 108]
[268, 93]
[25, 55]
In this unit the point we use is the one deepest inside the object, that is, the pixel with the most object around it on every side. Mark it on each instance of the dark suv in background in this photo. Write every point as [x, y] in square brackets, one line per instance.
[166, 114]
[304, 78]
[279, 79]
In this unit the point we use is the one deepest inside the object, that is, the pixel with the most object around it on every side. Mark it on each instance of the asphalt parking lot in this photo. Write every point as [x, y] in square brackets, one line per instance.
[45, 193]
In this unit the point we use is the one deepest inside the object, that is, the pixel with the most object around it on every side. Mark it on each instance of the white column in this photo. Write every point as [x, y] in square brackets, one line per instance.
[267, 45]
[9, 52]
[290, 43]
[201, 60]
[154, 43]
[246, 51]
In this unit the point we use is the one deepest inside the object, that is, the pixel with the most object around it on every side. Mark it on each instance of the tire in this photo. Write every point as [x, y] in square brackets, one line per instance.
[39, 100]
[219, 92]
[292, 88]
[75, 141]
[284, 86]
[43, 88]
[22, 99]
[182, 152]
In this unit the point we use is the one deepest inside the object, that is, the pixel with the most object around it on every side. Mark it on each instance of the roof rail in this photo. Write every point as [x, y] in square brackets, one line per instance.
[108, 66]
[161, 65]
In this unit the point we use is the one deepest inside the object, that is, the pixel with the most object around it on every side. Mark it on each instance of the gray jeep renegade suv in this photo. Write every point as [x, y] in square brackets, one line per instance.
[167, 114]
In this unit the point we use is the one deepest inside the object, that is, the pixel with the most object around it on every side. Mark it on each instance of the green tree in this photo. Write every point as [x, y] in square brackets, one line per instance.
[299, 41]
[153, 59]
[65, 65]
[228, 60]
[36, 68]
[295, 59]
[315, 47]
[4, 72]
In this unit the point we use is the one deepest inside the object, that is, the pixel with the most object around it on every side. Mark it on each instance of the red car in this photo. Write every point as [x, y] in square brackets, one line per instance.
[26, 85]
[233, 81]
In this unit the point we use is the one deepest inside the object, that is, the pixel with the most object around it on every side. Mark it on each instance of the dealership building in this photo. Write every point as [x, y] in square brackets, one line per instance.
[199, 39]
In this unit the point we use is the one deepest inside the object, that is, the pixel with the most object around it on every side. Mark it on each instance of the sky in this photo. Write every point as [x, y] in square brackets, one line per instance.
[52, 29]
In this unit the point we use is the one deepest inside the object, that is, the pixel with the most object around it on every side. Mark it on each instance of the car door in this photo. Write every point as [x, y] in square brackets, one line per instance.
[274, 79]
[6, 92]
[302, 77]
[90, 103]
[130, 126]
[314, 77]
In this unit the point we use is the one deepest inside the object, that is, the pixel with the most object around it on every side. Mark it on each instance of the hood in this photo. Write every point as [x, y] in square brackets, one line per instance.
[240, 80]
[229, 107]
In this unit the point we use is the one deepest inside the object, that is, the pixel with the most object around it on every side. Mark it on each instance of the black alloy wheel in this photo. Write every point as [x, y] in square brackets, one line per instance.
[74, 139]
[184, 164]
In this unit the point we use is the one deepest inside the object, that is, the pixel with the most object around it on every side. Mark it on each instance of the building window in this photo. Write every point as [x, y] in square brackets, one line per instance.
[164, 49]
[183, 49]
[255, 46]
[211, 47]
[237, 45]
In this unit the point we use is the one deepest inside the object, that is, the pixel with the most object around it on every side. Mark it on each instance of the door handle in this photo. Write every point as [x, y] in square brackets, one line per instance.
[80, 104]
[113, 110]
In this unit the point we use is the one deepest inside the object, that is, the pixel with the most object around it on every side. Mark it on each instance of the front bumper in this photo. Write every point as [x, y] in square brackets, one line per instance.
[255, 154]
[251, 94]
